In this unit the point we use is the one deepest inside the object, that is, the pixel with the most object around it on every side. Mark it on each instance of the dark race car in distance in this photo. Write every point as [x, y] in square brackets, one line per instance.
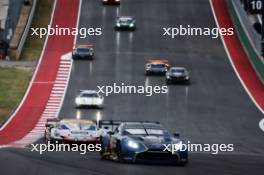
[177, 75]
[114, 2]
[156, 67]
[125, 23]
[140, 142]
[83, 51]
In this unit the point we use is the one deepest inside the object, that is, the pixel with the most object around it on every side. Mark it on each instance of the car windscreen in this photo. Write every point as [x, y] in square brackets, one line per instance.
[157, 132]
[89, 127]
[137, 131]
[178, 71]
[83, 50]
[125, 20]
[72, 126]
[90, 95]
[62, 126]
[157, 65]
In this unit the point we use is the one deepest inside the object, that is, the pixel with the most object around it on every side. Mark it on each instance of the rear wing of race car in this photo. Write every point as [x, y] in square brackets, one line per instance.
[51, 122]
[82, 45]
[111, 125]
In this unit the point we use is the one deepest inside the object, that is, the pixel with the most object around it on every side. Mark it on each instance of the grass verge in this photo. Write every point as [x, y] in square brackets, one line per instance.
[13, 84]
[34, 44]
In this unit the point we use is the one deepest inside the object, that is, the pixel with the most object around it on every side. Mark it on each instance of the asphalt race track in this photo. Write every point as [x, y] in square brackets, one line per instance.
[213, 109]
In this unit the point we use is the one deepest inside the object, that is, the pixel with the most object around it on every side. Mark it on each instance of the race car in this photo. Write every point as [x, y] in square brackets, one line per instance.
[71, 131]
[83, 51]
[125, 23]
[141, 142]
[115, 2]
[89, 98]
[177, 75]
[156, 67]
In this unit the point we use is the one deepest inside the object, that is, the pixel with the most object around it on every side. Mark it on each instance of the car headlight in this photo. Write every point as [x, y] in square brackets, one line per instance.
[101, 101]
[118, 25]
[132, 144]
[131, 25]
[77, 101]
[168, 77]
[187, 78]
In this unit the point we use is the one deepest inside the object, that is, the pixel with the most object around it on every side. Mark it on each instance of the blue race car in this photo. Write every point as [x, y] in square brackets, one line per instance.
[141, 142]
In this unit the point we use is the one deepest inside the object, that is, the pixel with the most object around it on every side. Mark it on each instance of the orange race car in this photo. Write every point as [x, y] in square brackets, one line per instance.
[156, 67]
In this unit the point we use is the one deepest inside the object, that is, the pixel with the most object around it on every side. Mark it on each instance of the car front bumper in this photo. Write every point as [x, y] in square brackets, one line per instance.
[155, 72]
[80, 140]
[160, 157]
[177, 79]
[83, 56]
[125, 27]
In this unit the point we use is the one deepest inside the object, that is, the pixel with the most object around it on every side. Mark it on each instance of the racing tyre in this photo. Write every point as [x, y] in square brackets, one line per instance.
[168, 81]
[182, 163]
[119, 152]
[103, 151]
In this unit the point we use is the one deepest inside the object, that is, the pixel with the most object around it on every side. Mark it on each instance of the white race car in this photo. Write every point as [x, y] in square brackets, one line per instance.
[72, 131]
[89, 98]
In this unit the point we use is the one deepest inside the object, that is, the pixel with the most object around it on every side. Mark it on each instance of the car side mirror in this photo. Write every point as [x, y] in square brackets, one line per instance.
[176, 134]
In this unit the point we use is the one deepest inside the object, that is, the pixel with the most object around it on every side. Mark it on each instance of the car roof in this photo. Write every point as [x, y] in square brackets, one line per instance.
[83, 46]
[73, 121]
[177, 68]
[146, 125]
